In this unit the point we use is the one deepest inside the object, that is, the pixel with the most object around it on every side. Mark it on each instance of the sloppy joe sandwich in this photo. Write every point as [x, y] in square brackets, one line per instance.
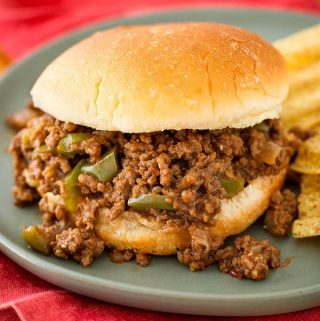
[153, 140]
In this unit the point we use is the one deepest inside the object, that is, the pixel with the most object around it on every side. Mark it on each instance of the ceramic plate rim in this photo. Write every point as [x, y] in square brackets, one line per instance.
[11, 251]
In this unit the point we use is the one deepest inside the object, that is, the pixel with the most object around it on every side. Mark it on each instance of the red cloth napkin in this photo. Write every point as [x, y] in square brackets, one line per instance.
[24, 296]
[24, 25]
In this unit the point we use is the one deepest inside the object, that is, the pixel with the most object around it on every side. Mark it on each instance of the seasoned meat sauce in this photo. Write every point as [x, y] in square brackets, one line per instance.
[186, 166]
[248, 258]
[281, 213]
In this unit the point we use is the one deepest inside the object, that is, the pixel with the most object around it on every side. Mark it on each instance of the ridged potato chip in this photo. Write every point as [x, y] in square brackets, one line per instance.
[308, 223]
[302, 108]
[302, 54]
[308, 159]
[302, 103]
[306, 227]
[310, 183]
[4, 62]
[309, 205]
[300, 49]
[304, 120]
[316, 128]
[304, 79]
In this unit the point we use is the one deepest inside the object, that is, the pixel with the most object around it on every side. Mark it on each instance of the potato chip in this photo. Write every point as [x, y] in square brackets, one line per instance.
[306, 121]
[310, 183]
[300, 49]
[308, 159]
[309, 205]
[306, 227]
[302, 54]
[305, 79]
[308, 223]
[4, 62]
[304, 95]
[302, 108]
[303, 104]
[316, 128]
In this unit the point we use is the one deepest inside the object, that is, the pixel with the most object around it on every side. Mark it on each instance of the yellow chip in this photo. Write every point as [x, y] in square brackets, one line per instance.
[305, 121]
[306, 227]
[300, 49]
[308, 223]
[309, 205]
[4, 62]
[310, 184]
[305, 79]
[308, 159]
[316, 128]
[302, 103]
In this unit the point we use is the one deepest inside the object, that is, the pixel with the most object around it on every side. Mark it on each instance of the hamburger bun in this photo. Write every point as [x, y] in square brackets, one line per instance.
[168, 76]
[133, 231]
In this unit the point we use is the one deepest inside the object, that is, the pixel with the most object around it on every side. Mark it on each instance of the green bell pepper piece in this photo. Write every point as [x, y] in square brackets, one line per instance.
[40, 150]
[71, 188]
[232, 186]
[262, 127]
[65, 144]
[150, 201]
[35, 239]
[105, 169]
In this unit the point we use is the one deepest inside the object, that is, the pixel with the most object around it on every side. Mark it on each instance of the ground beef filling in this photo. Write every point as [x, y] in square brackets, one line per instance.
[186, 166]
[248, 258]
[281, 213]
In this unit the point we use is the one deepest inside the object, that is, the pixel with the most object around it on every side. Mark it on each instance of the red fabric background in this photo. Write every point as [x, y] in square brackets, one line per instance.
[26, 296]
[24, 25]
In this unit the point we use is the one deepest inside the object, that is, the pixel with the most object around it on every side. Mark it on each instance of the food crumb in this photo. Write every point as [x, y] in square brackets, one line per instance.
[248, 258]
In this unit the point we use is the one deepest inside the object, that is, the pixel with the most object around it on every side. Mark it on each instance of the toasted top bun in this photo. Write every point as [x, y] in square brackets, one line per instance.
[133, 231]
[167, 76]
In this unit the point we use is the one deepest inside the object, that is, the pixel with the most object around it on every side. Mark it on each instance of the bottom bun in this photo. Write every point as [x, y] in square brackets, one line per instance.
[135, 231]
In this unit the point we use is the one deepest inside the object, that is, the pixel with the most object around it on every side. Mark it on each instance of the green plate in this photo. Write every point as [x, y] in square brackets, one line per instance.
[165, 285]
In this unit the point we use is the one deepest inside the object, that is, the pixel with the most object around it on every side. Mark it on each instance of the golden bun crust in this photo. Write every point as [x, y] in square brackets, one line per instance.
[133, 231]
[167, 76]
